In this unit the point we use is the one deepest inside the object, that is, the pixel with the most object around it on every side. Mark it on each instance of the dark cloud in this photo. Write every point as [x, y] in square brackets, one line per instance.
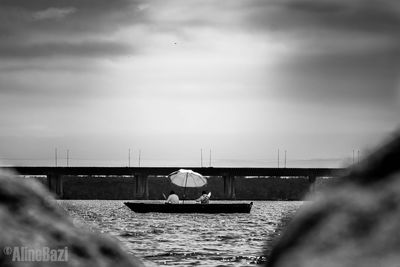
[23, 21]
[85, 49]
[372, 16]
[87, 16]
[344, 51]
[328, 15]
[317, 7]
[64, 28]
[85, 4]
[345, 79]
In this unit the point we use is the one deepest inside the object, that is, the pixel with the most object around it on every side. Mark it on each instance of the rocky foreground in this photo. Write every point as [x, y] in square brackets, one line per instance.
[35, 231]
[355, 223]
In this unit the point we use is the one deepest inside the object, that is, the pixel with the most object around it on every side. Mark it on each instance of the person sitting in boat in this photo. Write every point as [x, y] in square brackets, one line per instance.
[204, 198]
[172, 198]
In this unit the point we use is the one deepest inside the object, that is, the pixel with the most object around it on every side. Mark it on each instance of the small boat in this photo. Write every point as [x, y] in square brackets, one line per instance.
[188, 178]
[190, 208]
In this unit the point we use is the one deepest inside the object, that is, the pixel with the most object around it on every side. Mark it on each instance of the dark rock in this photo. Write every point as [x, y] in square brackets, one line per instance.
[30, 219]
[354, 223]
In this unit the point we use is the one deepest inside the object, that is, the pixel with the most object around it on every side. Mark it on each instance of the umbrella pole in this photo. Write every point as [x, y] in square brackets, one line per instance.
[184, 191]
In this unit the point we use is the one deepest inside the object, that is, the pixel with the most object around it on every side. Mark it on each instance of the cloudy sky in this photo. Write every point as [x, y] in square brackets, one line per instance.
[243, 78]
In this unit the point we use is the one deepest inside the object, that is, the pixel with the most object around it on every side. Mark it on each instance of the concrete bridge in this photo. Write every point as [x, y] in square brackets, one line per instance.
[56, 175]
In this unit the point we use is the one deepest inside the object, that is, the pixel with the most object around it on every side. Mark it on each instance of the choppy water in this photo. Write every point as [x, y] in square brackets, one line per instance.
[187, 239]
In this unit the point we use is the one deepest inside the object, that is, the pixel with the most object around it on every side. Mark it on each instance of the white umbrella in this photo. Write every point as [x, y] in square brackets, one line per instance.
[187, 178]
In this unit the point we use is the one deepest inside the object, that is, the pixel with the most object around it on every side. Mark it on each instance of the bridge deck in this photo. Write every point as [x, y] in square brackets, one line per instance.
[210, 171]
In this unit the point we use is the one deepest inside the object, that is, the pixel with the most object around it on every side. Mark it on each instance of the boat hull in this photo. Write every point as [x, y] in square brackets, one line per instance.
[190, 208]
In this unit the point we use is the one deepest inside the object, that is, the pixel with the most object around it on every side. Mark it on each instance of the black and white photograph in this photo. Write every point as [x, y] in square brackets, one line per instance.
[200, 133]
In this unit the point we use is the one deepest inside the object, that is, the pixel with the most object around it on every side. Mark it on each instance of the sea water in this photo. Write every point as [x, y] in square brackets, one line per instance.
[187, 239]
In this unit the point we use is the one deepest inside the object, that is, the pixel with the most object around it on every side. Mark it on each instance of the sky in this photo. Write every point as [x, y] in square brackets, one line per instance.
[177, 79]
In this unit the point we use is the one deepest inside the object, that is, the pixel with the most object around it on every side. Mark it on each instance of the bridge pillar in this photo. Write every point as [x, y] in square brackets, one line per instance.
[311, 180]
[55, 183]
[142, 186]
[229, 186]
